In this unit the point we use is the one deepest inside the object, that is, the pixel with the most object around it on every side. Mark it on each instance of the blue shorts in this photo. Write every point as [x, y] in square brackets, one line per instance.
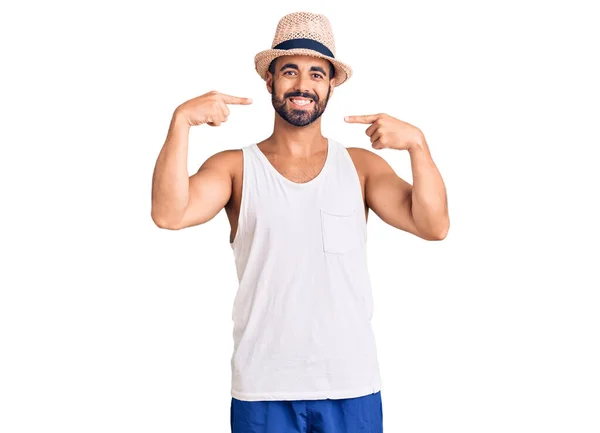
[347, 415]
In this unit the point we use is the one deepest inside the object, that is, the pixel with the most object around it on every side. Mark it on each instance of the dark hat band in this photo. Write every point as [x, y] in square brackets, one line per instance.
[310, 44]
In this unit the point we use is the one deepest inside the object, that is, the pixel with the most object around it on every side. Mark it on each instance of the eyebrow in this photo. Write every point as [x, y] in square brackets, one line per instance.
[312, 68]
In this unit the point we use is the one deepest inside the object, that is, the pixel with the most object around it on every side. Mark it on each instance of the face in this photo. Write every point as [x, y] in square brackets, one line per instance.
[300, 88]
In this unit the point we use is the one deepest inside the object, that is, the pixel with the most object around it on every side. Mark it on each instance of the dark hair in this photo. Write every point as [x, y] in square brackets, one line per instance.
[331, 68]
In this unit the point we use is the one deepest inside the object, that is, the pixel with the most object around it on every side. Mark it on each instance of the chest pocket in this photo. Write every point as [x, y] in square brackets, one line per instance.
[341, 233]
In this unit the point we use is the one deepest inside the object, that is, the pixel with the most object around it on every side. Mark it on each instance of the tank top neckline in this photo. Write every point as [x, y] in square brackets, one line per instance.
[313, 181]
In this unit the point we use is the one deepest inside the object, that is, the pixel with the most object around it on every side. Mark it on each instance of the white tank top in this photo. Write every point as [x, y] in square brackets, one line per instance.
[302, 312]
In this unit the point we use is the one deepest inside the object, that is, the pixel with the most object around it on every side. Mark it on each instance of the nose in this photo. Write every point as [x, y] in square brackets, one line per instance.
[302, 89]
[302, 84]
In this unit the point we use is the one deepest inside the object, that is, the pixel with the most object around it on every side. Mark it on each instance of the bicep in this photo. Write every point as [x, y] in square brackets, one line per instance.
[389, 196]
[209, 190]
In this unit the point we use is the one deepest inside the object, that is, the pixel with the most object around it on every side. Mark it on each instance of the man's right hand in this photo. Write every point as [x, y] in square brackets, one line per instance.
[210, 108]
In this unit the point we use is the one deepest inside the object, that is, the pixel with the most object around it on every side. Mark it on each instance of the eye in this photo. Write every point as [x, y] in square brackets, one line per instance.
[287, 72]
[318, 75]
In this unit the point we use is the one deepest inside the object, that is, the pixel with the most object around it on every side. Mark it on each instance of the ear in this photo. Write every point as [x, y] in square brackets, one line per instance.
[269, 81]
[269, 77]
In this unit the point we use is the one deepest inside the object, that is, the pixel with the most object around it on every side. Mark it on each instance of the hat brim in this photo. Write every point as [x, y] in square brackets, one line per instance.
[263, 59]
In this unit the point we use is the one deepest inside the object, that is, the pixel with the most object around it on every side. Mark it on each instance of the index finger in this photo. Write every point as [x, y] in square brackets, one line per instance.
[365, 118]
[228, 99]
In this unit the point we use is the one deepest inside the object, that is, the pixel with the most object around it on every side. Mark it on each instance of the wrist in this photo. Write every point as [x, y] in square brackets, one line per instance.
[180, 119]
[418, 144]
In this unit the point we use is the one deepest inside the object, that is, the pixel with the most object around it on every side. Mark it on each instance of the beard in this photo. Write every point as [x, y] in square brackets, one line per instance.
[298, 117]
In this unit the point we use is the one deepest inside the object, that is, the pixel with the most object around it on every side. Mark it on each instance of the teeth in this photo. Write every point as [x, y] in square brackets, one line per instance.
[301, 101]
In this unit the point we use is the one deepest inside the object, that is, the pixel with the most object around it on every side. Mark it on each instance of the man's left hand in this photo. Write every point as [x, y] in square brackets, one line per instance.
[388, 132]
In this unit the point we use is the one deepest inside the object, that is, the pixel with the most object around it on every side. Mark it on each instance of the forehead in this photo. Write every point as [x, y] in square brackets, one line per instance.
[303, 61]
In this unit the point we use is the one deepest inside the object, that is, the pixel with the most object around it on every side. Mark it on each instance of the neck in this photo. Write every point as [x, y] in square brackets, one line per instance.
[296, 141]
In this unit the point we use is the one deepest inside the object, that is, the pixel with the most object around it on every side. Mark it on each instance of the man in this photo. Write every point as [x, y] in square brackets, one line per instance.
[304, 355]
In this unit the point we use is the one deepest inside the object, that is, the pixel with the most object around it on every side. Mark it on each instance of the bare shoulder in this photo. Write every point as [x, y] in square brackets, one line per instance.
[225, 158]
[229, 160]
[360, 153]
[366, 160]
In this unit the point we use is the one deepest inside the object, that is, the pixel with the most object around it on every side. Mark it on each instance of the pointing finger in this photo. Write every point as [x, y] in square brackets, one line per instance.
[366, 118]
[228, 99]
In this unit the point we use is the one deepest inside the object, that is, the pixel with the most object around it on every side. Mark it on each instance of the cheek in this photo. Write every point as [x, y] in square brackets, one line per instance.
[323, 96]
[279, 90]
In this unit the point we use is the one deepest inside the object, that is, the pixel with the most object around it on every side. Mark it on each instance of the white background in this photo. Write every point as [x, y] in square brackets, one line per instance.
[110, 324]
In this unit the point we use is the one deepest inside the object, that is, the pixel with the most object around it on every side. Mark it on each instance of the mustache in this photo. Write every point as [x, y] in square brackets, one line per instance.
[302, 95]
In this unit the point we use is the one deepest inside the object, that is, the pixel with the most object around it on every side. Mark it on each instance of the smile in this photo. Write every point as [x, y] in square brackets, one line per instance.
[300, 102]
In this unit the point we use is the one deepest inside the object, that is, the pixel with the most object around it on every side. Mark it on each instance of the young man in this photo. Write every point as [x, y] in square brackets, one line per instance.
[304, 355]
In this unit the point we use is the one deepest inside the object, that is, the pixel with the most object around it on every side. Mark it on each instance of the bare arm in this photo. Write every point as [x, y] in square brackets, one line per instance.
[180, 201]
[421, 208]
[387, 194]
[402, 205]
[209, 190]
[429, 203]
[170, 181]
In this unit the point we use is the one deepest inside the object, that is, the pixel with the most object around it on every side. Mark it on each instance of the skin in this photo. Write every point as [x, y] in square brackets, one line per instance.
[297, 149]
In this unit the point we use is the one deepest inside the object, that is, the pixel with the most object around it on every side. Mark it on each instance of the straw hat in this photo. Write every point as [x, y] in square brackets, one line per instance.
[303, 33]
